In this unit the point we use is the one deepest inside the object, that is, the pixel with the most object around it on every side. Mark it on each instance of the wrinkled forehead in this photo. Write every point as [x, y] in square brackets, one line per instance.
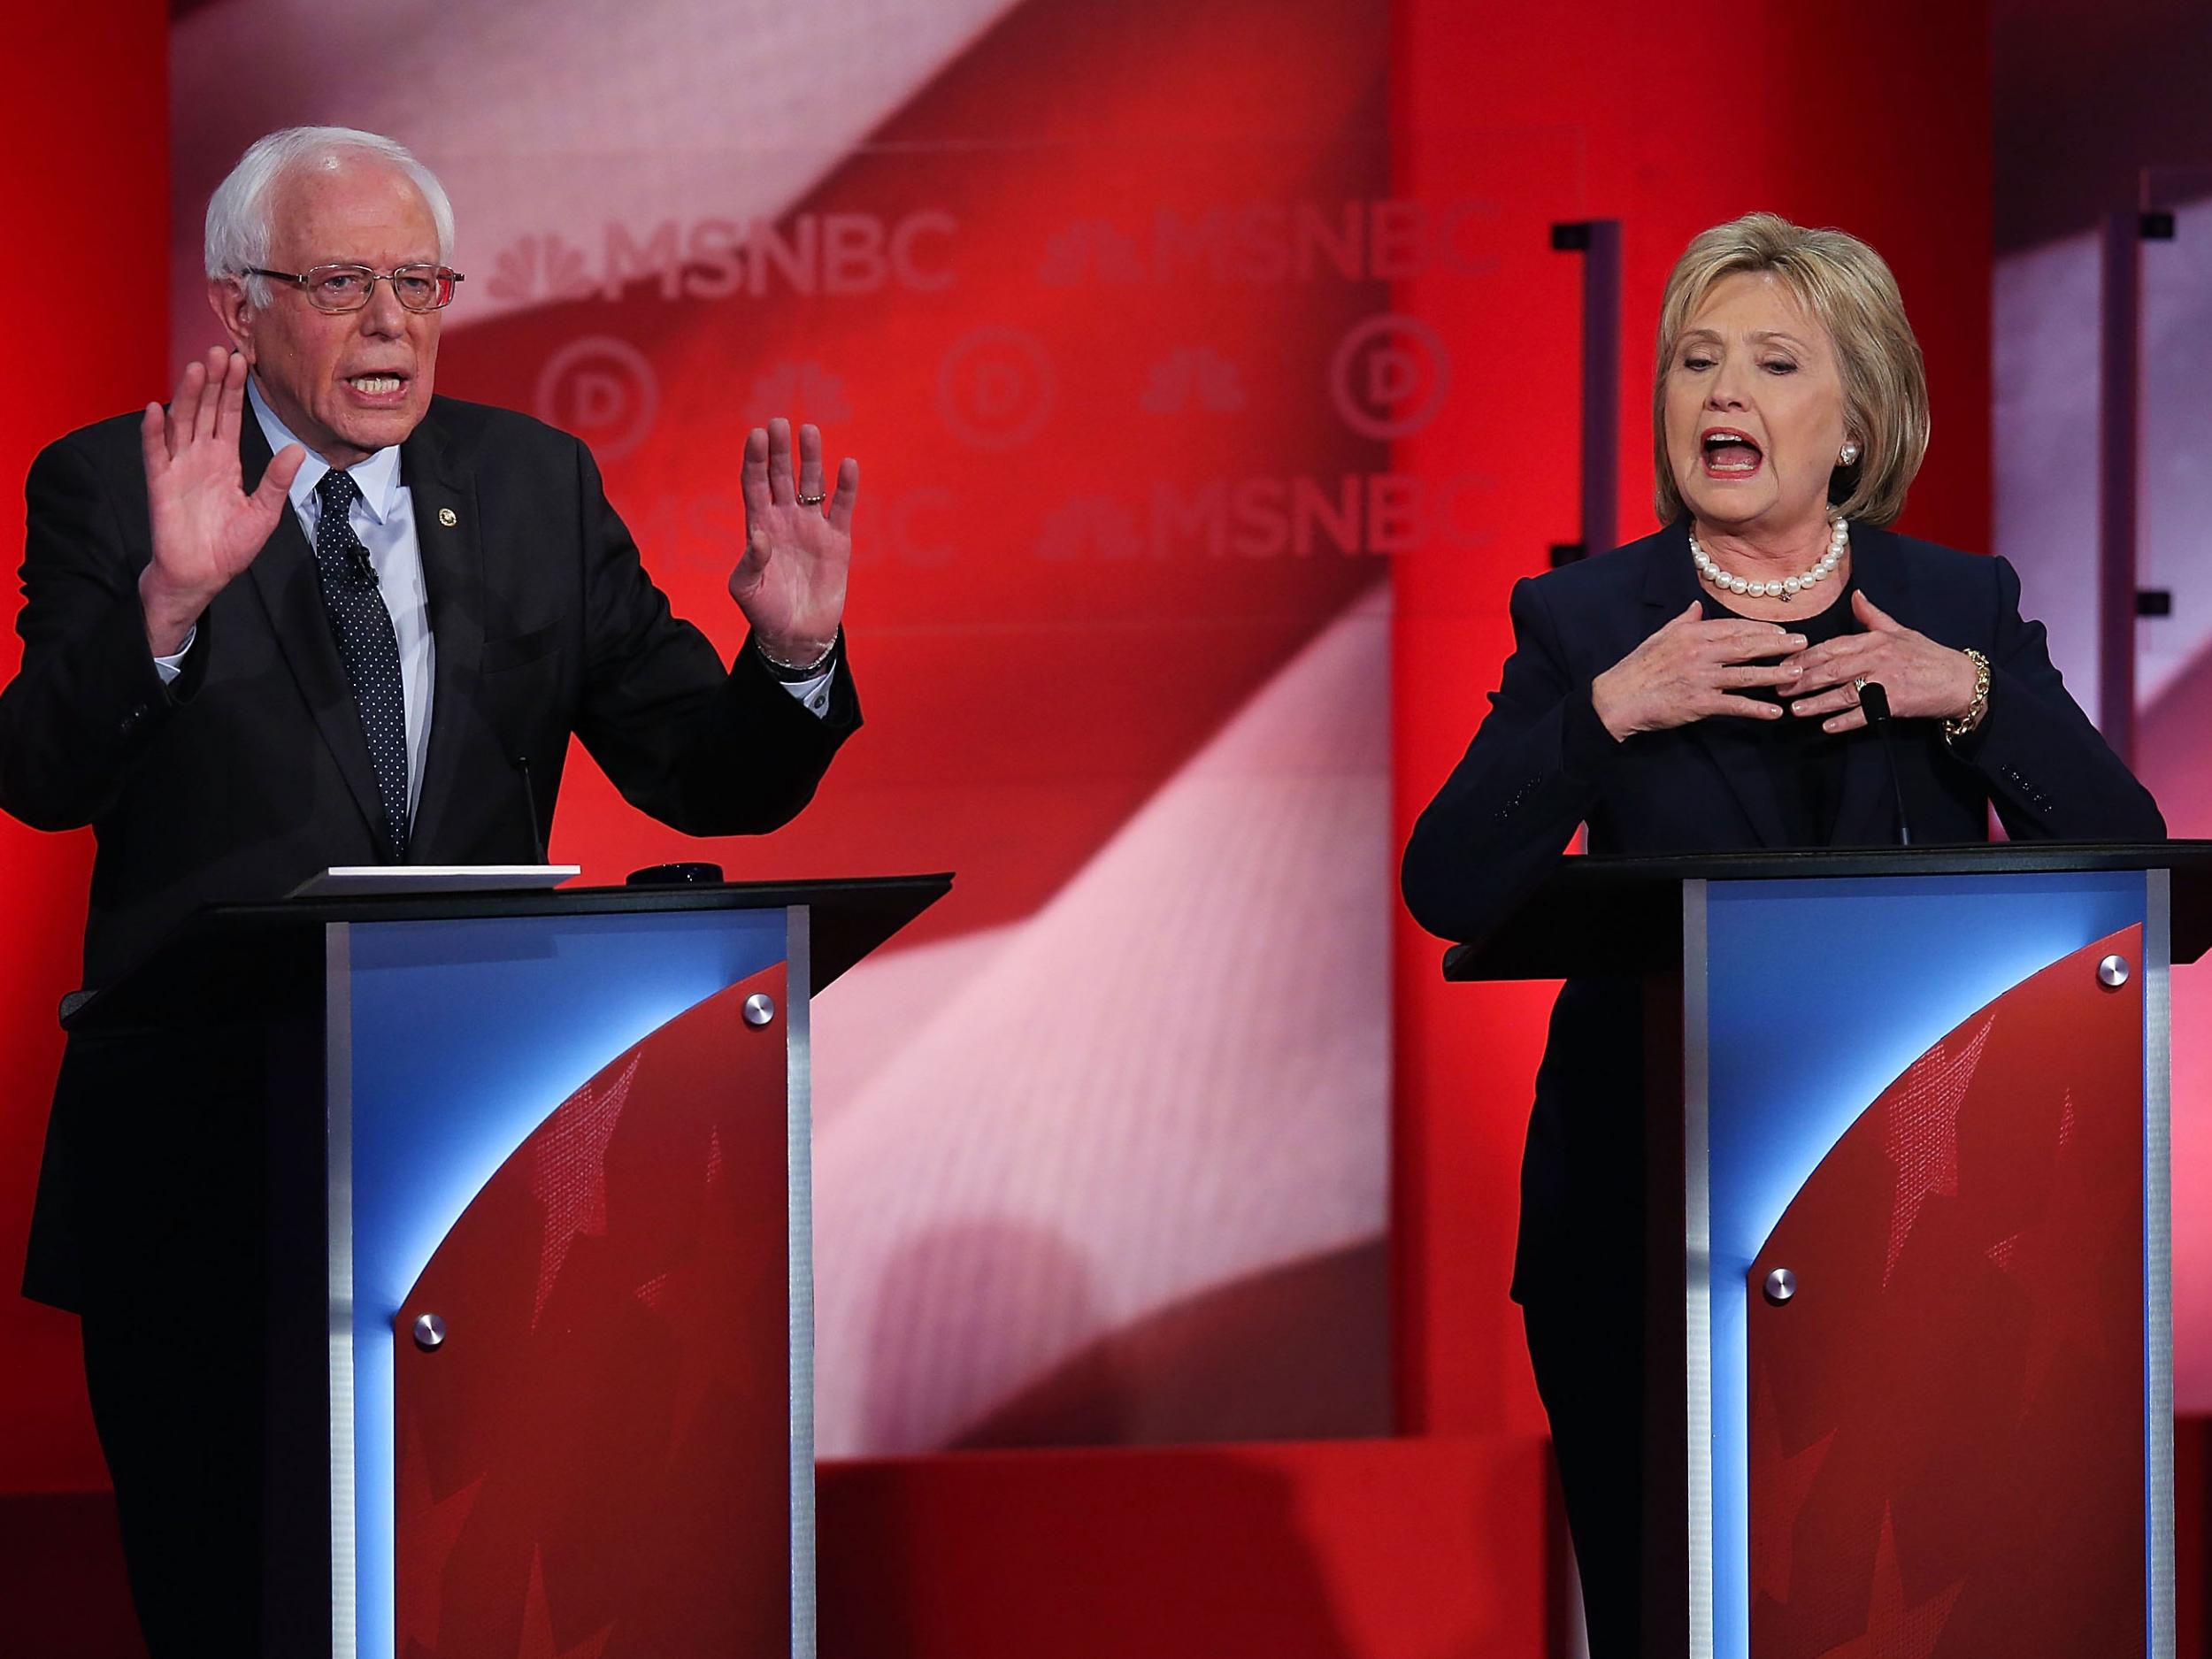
[1754, 305]
[349, 208]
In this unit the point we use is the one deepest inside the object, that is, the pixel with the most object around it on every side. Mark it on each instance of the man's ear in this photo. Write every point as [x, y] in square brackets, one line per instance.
[226, 296]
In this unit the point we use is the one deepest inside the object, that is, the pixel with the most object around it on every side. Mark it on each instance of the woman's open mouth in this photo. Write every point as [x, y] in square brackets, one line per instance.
[1727, 453]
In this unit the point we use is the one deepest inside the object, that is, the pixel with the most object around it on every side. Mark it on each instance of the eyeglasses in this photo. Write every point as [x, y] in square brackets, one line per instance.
[348, 288]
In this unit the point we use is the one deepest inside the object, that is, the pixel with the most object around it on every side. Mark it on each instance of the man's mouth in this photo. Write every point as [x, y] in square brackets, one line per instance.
[1727, 453]
[378, 385]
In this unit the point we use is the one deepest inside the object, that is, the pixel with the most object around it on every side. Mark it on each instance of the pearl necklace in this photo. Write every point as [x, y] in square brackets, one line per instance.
[1788, 589]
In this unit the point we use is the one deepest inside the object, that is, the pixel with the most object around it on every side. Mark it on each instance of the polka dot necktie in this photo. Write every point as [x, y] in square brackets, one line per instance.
[366, 643]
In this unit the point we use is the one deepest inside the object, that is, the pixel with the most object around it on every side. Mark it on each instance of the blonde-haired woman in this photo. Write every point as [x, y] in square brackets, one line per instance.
[1699, 691]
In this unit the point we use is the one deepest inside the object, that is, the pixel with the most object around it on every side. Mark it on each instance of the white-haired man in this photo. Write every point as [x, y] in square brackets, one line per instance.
[311, 614]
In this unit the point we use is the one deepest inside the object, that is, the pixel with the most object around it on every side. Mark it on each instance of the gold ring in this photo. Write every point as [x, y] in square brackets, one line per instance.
[813, 501]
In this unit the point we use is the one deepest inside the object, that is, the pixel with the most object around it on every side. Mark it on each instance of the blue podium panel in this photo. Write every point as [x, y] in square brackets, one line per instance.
[1809, 1005]
[450, 1042]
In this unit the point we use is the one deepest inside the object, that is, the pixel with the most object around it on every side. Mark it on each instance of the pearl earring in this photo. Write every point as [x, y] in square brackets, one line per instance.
[1850, 453]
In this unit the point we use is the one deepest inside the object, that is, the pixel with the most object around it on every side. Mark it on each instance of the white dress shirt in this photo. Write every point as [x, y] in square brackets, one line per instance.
[383, 515]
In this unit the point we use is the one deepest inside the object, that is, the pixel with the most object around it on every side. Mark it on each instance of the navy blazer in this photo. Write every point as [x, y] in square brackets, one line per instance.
[1541, 764]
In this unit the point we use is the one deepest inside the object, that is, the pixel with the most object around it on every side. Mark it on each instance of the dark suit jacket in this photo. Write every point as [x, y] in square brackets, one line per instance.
[1542, 764]
[250, 773]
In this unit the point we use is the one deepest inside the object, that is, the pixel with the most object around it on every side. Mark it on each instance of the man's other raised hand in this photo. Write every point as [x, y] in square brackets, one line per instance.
[206, 528]
[798, 543]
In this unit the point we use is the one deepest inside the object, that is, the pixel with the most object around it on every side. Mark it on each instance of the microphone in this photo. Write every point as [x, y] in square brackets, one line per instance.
[530, 800]
[1875, 701]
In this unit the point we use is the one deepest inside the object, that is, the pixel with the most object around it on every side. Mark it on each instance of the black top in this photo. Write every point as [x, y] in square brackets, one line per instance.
[1807, 764]
[1543, 763]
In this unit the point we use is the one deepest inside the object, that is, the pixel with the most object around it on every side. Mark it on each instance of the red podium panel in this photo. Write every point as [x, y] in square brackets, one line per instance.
[1958, 1372]
[597, 1456]
[1950, 1431]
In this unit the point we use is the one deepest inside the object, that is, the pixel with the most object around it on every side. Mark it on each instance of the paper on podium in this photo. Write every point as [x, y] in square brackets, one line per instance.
[345, 881]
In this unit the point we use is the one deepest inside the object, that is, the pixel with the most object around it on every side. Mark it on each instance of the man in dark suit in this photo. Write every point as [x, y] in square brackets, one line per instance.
[310, 615]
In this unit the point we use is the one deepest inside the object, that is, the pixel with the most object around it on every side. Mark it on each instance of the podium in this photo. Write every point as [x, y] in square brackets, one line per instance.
[1908, 1321]
[534, 1298]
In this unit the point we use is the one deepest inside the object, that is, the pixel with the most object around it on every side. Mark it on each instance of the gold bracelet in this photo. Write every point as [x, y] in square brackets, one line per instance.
[1953, 730]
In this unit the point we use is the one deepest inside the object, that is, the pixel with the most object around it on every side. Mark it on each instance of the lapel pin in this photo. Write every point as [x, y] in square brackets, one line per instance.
[447, 517]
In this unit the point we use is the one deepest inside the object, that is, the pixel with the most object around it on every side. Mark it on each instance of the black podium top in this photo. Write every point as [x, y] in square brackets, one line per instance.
[1600, 915]
[231, 959]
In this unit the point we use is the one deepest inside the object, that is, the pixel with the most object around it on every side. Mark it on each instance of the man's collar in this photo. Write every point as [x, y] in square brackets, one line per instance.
[377, 478]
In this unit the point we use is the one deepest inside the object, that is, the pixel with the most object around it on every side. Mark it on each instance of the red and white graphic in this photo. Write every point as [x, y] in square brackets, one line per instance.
[1922, 1134]
[800, 392]
[1196, 378]
[568, 1173]
[1088, 1172]
[1389, 376]
[1897, 1628]
[603, 391]
[1948, 1416]
[609, 1460]
[995, 388]
[539, 268]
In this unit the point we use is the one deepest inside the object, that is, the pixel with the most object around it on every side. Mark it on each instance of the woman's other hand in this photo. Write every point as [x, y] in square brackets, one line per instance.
[1692, 670]
[1923, 680]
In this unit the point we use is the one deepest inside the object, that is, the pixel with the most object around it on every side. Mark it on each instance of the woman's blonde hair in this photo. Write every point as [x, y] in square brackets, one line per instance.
[1845, 285]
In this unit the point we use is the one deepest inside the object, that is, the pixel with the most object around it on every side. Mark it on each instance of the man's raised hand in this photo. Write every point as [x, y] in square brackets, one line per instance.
[791, 582]
[206, 528]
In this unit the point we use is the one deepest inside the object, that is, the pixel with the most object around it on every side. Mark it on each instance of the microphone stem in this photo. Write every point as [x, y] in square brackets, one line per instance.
[530, 800]
[1875, 700]
[1896, 787]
